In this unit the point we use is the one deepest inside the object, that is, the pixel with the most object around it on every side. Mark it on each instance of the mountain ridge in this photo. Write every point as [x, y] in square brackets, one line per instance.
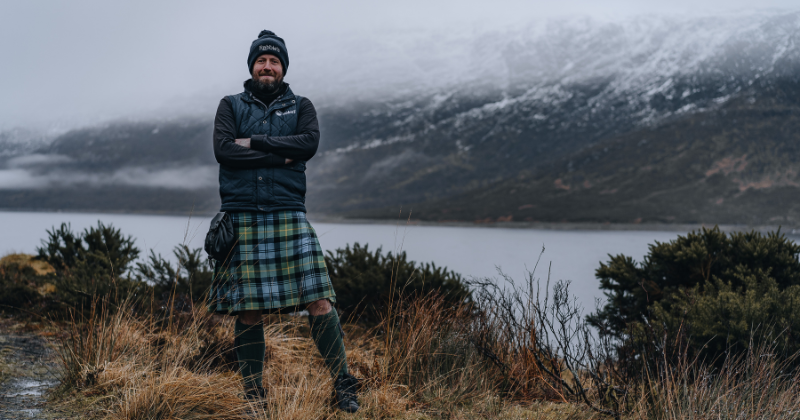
[563, 93]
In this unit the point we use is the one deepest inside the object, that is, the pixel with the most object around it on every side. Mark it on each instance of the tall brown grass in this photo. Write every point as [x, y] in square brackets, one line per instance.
[429, 353]
[151, 369]
[426, 360]
[756, 385]
[418, 363]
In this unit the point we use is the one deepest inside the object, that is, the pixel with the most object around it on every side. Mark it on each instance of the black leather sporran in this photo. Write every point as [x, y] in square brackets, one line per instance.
[220, 237]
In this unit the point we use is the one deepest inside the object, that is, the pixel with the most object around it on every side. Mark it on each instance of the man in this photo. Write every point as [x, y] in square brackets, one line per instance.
[263, 138]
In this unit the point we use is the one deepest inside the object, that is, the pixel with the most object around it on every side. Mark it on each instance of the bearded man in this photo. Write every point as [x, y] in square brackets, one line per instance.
[263, 138]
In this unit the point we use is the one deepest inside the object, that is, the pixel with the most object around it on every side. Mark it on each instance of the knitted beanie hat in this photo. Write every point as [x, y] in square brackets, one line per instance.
[268, 43]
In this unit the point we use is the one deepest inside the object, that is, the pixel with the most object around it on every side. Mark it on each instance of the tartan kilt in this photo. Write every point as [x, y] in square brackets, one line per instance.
[277, 263]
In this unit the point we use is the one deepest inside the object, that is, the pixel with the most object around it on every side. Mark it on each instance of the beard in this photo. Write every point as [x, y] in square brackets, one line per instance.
[266, 88]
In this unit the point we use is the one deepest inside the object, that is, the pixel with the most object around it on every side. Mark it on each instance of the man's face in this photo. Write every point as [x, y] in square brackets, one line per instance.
[267, 70]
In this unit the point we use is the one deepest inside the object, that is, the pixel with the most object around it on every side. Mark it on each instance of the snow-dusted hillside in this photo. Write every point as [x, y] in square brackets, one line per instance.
[524, 99]
[647, 68]
[428, 117]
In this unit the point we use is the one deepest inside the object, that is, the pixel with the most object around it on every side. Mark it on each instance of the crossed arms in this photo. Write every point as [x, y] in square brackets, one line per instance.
[264, 151]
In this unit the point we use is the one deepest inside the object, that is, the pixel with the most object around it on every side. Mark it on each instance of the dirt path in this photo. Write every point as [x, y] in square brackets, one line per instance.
[27, 372]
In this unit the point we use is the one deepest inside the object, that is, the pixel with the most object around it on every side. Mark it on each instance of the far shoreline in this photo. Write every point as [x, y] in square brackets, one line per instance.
[566, 226]
[570, 226]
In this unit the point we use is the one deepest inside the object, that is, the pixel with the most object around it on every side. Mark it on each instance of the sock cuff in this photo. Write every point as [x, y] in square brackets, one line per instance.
[329, 320]
[249, 331]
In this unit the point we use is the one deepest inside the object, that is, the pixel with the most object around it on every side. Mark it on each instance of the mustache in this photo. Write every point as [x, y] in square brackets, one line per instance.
[266, 73]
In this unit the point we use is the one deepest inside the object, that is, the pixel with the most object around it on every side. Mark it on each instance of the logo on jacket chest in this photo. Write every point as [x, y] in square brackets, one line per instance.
[279, 113]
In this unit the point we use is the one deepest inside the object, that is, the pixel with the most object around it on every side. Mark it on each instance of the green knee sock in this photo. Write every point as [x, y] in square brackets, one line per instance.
[250, 347]
[327, 335]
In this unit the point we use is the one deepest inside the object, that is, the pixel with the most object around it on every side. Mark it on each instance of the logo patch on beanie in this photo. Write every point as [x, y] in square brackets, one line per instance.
[269, 48]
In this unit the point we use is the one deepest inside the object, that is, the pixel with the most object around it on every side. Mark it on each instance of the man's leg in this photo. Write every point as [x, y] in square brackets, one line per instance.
[327, 334]
[250, 347]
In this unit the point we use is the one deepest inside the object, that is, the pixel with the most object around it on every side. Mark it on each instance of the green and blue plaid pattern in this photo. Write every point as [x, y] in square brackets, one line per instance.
[277, 263]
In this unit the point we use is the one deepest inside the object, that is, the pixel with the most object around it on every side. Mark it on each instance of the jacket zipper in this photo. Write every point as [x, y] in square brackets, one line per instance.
[266, 108]
[266, 111]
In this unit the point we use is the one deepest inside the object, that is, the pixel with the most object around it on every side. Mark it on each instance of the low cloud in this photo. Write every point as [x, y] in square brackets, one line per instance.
[20, 179]
[37, 159]
[178, 178]
[181, 178]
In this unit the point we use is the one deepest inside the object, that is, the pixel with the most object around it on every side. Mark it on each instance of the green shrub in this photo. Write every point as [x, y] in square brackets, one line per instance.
[96, 263]
[192, 275]
[366, 282]
[699, 258]
[99, 252]
[711, 291]
[91, 264]
[720, 317]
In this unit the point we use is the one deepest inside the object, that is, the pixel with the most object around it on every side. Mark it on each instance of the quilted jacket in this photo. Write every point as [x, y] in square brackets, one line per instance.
[263, 187]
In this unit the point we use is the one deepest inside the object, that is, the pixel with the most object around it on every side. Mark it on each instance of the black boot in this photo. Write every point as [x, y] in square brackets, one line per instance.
[257, 399]
[346, 387]
[256, 395]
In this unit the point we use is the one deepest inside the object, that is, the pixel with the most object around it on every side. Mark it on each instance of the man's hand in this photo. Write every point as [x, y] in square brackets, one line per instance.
[288, 161]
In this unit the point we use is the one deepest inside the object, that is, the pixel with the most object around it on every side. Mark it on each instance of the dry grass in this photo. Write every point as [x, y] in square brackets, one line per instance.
[430, 353]
[178, 393]
[39, 267]
[756, 385]
[143, 367]
[146, 370]
[420, 363]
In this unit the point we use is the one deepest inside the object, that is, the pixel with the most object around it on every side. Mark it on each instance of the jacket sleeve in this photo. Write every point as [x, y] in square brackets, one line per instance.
[301, 146]
[230, 154]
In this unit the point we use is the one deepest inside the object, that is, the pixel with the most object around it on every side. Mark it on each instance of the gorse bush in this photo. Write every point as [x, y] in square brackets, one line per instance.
[720, 318]
[191, 276]
[715, 289]
[96, 253]
[100, 263]
[92, 263]
[687, 262]
[366, 282]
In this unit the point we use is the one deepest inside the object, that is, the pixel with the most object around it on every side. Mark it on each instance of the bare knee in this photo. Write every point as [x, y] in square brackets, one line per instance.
[320, 307]
[249, 317]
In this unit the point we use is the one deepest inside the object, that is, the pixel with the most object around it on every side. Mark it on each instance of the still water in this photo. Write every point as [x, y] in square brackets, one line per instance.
[472, 251]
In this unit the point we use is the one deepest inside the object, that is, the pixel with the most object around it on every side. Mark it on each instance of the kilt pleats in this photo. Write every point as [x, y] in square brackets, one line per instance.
[277, 263]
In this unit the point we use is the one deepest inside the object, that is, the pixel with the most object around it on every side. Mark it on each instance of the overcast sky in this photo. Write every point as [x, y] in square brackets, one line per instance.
[79, 62]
